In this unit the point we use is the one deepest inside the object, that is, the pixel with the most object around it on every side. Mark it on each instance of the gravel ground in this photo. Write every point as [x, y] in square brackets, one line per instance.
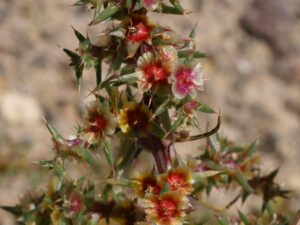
[253, 76]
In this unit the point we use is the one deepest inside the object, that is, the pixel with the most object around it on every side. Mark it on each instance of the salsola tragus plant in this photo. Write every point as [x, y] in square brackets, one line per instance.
[125, 147]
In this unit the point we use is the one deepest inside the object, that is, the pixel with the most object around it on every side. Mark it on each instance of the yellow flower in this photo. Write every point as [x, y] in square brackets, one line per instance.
[166, 209]
[146, 183]
[179, 179]
[134, 117]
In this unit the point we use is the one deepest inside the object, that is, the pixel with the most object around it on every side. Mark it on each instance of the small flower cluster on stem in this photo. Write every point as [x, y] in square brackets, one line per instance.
[145, 103]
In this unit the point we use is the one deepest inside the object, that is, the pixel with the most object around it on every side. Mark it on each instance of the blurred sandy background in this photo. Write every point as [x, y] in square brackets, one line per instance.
[253, 77]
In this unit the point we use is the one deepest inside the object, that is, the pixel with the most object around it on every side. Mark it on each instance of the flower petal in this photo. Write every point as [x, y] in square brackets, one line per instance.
[150, 4]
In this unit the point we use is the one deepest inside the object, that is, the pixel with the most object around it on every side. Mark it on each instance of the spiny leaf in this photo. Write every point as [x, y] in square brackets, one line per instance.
[48, 164]
[76, 62]
[79, 36]
[201, 175]
[163, 107]
[241, 179]
[127, 78]
[243, 218]
[119, 182]
[56, 136]
[170, 10]
[108, 153]
[205, 109]
[156, 130]
[193, 32]
[15, 210]
[177, 5]
[84, 154]
[194, 54]
[98, 68]
[176, 124]
[126, 155]
[165, 119]
[106, 13]
[234, 148]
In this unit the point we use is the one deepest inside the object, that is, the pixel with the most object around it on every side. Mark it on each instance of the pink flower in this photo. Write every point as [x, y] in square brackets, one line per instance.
[187, 80]
[154, 68]
[190, 107]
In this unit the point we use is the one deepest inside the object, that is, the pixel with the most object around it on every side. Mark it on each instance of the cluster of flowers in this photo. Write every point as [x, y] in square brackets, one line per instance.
[146, 103]
[164, 197]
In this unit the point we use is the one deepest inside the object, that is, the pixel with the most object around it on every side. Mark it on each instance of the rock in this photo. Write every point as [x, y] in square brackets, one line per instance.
[20, 109]
[268, 20]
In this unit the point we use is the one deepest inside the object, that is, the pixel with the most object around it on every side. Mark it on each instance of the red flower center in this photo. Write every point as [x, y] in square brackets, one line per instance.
[166, 209]
[138, 33]
[176, 181]
[98, 124]
[150, 185]
[154, 73]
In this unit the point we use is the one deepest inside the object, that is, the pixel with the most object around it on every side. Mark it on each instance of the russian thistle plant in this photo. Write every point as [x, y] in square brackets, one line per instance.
[143, 105]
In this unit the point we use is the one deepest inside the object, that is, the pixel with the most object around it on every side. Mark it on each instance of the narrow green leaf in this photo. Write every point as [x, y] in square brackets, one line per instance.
[75, 58]
[15, 210]
[58, 170]
[78, 72]
[108, 153]
[165, 119]
[270, 210]
[126, 155]
[241, 179]
[234, 148]
[84, 154]
[198, 55]
[79, 36]
[250, 150]
[201, 175]
[98, 68]
[106, 13]
[177, 5]
[205, 109]
[119, 182]
[176, 124]
[56, 136]
[163, 107]
[243, 218]
[127, 78]
[76, 63]
[106, 192]
[48, 164]
[117, 61]
[193, 32]
[194, 54]
[170, 10]
[156, 130]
